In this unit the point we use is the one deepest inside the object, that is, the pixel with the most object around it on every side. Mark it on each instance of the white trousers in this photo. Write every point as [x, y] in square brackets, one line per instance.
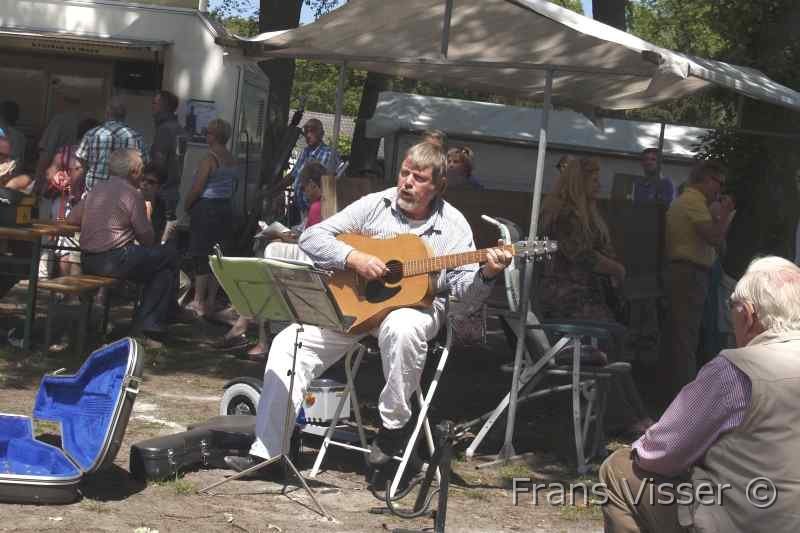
[403, 340]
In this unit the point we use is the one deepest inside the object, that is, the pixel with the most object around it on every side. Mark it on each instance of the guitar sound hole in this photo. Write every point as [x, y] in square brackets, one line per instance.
[376, 291]
[395, 272]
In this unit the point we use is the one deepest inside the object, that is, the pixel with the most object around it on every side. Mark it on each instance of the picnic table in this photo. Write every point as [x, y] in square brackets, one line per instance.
[34, 234]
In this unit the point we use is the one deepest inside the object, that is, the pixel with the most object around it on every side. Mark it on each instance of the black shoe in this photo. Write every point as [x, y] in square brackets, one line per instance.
[241, 463]
[379, 477]
[386, 444]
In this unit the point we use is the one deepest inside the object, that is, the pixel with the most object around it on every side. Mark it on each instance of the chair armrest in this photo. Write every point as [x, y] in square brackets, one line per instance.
[599, 329]
[613, 328]
[573, 329]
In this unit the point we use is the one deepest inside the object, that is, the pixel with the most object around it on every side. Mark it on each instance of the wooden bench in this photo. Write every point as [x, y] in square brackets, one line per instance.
[85, 287]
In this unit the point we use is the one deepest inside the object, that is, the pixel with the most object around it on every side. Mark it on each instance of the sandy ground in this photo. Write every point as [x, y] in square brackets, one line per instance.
[182, 386]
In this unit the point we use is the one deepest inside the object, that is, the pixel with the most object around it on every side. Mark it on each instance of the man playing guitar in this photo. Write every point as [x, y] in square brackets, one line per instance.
[415, 206]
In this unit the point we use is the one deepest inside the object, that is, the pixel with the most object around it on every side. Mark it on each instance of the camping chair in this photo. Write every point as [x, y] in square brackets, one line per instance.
[588, 384]
[369, 346]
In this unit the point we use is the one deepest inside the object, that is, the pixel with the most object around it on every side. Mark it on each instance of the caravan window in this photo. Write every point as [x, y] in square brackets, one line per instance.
[252, 121]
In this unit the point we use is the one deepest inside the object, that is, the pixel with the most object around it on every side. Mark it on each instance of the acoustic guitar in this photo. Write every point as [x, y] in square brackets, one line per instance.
[409, 282]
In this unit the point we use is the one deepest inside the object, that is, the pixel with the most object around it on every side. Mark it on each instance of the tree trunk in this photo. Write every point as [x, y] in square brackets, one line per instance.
[364, 151]
[611, 12]
[277, 15]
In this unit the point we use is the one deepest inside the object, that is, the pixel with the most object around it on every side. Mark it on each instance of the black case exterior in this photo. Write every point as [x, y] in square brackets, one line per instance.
[203, 445]
[26, 492]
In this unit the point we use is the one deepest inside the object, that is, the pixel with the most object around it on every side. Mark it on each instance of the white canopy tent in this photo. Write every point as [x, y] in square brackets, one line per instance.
[507, 47]
[528, 48]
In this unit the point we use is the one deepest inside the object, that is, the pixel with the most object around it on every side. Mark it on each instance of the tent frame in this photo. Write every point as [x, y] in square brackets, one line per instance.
[265, 51]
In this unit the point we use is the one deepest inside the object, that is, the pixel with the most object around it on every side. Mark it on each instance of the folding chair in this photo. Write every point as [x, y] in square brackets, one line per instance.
[587, 386]
[424, 399]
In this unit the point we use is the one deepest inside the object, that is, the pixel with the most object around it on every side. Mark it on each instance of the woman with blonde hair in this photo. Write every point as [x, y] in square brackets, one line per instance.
[573, 283]
[576, 283]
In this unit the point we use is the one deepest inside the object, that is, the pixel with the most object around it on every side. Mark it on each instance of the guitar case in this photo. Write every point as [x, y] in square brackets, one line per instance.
[203, 445]
[91, 407]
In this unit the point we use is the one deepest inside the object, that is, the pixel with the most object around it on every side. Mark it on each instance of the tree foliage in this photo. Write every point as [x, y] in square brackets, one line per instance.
[316, 82]
[574, 5]
[761, 168]
[242, 26]
[611, 12]
[762, 35]
[683, 26]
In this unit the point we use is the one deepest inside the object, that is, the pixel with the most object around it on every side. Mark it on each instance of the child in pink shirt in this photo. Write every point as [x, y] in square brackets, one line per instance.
[312, 187]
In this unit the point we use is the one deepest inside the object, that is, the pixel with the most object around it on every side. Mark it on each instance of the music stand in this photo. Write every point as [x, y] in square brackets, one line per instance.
[282, 290]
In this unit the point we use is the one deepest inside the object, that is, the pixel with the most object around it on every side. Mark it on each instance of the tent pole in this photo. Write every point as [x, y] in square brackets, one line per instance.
[660, 149]
[508, 446]
[337, 120]
[448, 13]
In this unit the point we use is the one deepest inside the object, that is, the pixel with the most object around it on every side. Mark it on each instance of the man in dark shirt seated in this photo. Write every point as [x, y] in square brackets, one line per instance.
[113, 219]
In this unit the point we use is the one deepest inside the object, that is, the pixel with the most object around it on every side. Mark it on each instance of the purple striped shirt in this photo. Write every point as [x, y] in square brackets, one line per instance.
[715, 403]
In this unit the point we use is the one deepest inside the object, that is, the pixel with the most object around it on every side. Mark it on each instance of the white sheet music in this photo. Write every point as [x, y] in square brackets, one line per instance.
[306, 292]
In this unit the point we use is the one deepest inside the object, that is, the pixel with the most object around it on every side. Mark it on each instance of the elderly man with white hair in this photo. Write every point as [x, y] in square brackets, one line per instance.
[731, 436]
[113, 220]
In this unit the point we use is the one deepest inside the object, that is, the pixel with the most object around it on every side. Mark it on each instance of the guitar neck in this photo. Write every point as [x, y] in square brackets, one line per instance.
[416, 267]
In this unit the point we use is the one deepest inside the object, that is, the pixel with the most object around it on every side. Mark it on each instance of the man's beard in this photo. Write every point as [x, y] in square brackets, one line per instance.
[407, 205]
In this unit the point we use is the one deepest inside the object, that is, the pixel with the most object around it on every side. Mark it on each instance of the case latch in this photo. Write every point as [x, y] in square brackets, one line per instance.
[132, 385]
[205, 452]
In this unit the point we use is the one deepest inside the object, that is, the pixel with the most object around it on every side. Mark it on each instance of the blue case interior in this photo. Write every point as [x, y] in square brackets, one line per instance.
[83, 403]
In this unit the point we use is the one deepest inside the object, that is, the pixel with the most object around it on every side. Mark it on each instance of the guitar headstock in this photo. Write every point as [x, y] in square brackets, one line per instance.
[537, 248]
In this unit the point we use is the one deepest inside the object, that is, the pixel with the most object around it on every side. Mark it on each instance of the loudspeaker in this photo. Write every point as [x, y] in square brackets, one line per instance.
[138, 75]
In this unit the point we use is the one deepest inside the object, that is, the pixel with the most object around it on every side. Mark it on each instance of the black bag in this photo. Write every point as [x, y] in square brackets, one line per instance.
[204, 445]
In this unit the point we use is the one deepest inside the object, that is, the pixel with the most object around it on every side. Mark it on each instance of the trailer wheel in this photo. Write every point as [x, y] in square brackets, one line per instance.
[240, 398]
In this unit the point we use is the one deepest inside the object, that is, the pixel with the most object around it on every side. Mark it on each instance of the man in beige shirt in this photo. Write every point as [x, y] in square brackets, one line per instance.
[693, 236]
[113, 219]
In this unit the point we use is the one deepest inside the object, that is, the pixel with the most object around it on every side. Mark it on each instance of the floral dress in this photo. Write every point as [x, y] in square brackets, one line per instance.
[569, 287]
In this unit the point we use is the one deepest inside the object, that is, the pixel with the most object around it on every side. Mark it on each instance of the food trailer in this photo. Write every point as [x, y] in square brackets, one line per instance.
[61, 55]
